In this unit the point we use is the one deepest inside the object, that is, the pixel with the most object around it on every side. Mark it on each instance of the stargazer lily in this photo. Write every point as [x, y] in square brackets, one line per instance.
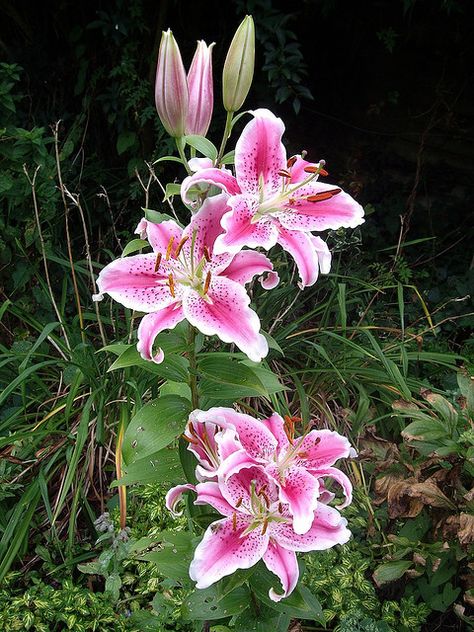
[183, 278]
[298, 466]
[275, 200]
[256, 525]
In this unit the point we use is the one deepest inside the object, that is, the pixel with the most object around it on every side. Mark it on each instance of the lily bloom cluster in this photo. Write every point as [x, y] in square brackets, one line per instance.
[270, 486]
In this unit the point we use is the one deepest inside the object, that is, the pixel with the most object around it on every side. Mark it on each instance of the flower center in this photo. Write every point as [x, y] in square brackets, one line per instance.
[288, 194]
[185, 266]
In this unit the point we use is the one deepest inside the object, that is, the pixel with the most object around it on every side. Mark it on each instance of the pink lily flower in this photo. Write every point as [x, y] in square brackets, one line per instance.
[183, 278]
[275, 200]
[201, 91]
[295, 465]
[255, 526]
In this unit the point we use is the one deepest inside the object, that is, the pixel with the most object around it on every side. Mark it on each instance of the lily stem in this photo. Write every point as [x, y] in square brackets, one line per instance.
[225, 138]
[193, 367]
[180, 145]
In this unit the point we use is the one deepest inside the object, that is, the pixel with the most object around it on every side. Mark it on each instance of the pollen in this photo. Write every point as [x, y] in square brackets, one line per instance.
[169, 248]
[325, 195]
[171, 285]
[179, 247]
[207, 282]
[158, 261]
[234, 521]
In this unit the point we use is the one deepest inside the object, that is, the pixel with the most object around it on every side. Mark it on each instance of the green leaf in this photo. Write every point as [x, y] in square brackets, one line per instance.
[207, 604]
[270, 381]
[113, 584]
[224, 378]
[390, 571]
[172, 188]
[301, 604]
[160, 467]
[134, 246]
[174, 556]
[176, 388]
[155, 426]
[125, 140]
[173, 367]
[429, 430]
[156, 216]
[202, 145]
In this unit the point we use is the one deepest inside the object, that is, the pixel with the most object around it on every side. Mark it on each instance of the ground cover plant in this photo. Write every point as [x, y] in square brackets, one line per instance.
[135, 441]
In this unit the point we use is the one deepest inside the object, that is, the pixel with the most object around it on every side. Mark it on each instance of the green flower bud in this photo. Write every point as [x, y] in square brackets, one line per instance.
[239, 66]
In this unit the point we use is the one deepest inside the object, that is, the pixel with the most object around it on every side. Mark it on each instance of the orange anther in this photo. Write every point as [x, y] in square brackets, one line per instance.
[207, 254]
[158, 261]
[207, 282]
[265, 526]
[189, 440]
[325, 195]
[169, 248]
[311, 169]
[171, 285]
[239, 502]
[291, 161]
[180, 246]
[234, 521]
[323, 172]
[284, 173]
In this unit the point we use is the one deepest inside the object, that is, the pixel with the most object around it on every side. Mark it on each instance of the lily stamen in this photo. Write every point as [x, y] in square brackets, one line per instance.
[207, 282]
[325, 195]
[234, 521]
[207, 254]
[157, 261]
[180, 246]
[171, 285]
[169, 248]
[291, 161]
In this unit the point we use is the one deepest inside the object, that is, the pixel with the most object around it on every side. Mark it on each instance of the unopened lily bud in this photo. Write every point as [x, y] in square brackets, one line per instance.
[239, 66]
[171, 87]
[201, 91]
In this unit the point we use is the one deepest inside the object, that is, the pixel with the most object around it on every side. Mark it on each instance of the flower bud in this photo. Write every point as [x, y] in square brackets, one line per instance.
[201, 91]
[239, 66]
[171, 88]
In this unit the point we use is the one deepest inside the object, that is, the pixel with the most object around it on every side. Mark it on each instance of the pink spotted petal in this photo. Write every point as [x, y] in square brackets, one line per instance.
[221, 178]
[225, 312]
[254, 436]
[205, 226]
[133, 282]
[209, 493]
[328, 528]
[260, 154]
[239, 229]
[322, 448]
[198, 164]
[341, 478]
[339, 211]
[237, 487]
[298, 173]
[159, 235]
[174, 496]
[284, 564]
[224, 549]
[234, 463]
[300, 246]
[248, 263]
[151, 325]
[300, 490]
[324, 254]
[228, 444]
[202, 443]
[276, 425]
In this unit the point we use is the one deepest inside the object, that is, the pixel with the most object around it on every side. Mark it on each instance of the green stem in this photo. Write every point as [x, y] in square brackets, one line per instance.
[193, 367]
[225, 138]
[180, 145]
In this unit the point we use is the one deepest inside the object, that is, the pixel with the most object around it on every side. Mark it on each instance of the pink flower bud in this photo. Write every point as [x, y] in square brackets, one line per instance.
[171, 88]
[201, 92]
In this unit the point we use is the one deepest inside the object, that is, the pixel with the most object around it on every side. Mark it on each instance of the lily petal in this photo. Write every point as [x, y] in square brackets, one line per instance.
[341, 210]
[173, 497]
[324, 254]
[237, 487]
[239, 229]
[300, 490]
[260, 154]
[246, 264]
[133, 282]
[328, 528]
[151, 325]
[159, 235]
[284, 564]
[341, 478]
[221, 178]
[224, 549]
[276, 425]
[209, 493]
[225, 312]
[301, 248]
[323, 448]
